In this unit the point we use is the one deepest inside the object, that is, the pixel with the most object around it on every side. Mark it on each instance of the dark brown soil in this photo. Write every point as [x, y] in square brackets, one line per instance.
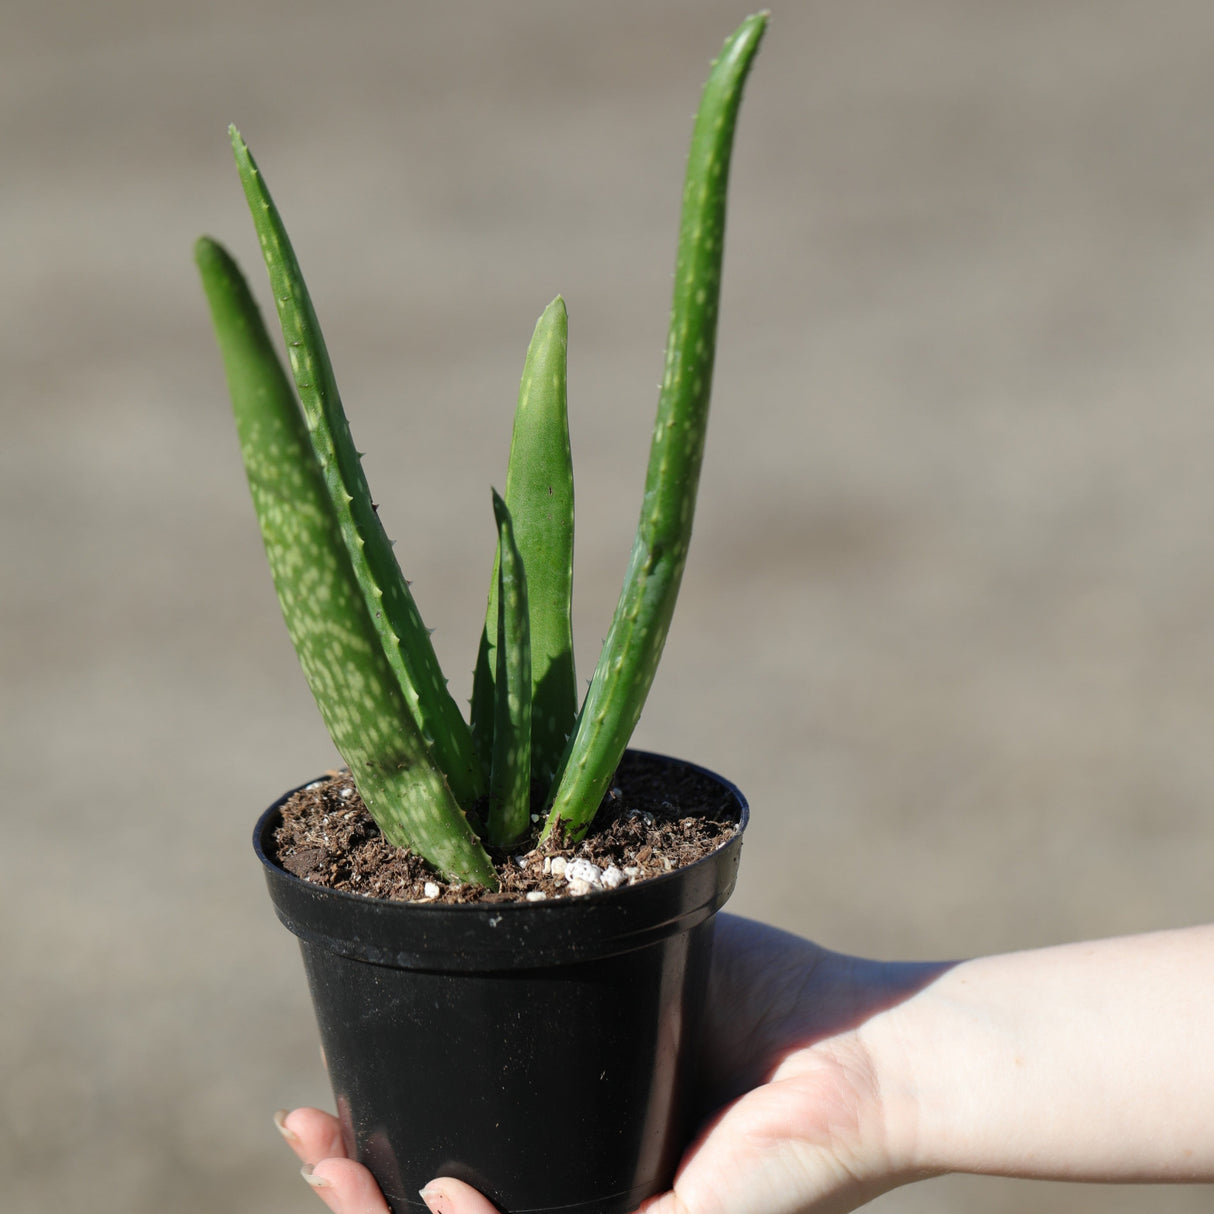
[655, 818]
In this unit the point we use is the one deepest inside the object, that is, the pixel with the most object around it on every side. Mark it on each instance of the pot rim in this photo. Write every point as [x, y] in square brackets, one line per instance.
[478, 935]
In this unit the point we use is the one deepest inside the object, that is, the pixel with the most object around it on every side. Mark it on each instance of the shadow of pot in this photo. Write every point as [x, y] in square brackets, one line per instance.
[541, 1051]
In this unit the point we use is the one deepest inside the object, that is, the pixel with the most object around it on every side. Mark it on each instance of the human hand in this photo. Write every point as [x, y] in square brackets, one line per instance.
[347, 1187]
[797, 1108]
[795, 1120]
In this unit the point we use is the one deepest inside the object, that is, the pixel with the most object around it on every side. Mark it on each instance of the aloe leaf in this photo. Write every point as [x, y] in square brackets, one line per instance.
[539, 497]
[510, 775]
[322, 600]
[630, 653]
[403, 636]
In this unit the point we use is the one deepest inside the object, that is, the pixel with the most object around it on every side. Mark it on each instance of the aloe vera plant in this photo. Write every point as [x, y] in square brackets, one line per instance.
[448, 788]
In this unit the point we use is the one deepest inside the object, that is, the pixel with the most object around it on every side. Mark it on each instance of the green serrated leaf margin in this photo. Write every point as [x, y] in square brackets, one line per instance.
[403, 636]
[322, 599]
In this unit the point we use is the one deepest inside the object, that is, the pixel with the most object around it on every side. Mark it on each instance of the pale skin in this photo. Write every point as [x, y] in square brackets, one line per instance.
[835, 1079]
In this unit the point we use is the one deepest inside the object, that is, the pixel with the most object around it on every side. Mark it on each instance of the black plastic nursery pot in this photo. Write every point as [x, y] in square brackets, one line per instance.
[540, 1051]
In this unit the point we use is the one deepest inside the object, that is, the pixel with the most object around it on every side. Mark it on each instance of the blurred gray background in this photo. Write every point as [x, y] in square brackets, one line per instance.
[949, 616]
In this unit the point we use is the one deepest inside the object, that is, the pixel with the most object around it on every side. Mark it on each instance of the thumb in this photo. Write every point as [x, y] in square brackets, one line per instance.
[447, 1195]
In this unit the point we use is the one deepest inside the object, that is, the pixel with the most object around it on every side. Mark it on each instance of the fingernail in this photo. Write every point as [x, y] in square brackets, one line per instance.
[317, 1182]
[280, 1124]
[433, 1198]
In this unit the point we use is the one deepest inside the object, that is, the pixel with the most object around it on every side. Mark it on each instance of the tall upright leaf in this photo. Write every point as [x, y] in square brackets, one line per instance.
[322, 598]
[539, 498]
[634, 643]
[404, 638]
[510, 774]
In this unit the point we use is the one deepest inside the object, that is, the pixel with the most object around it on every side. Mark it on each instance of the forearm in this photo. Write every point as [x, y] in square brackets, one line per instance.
[1084, 1062]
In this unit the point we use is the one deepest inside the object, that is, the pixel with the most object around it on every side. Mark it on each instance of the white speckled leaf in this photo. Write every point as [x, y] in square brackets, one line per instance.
[403, 636]
[322, 602]
[630, 654]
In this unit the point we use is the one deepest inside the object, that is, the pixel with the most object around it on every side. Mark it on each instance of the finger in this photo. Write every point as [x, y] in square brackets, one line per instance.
[345, 1187]
[311, 1134]
[448, 1196]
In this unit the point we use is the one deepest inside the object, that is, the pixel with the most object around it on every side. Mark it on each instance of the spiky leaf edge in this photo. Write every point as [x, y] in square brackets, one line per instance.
[321, 599]
[404, 637]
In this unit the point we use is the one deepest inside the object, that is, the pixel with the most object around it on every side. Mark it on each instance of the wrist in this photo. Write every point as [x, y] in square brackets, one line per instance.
[891, 1040]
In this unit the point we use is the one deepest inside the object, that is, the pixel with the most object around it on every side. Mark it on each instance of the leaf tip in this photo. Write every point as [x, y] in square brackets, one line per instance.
[500, 511]
[204, 250]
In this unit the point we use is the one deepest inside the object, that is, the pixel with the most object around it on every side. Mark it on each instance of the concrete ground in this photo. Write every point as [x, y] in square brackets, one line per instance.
[949, 618]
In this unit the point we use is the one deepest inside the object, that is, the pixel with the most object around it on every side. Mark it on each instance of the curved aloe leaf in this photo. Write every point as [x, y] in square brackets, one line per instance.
[321, 597]
[539, 497]
[510, 776]
[638, 630]
[405, 640]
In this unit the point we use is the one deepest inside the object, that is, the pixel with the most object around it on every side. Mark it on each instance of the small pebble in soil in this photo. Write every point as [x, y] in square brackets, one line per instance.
[583, 870]
[431, 890]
